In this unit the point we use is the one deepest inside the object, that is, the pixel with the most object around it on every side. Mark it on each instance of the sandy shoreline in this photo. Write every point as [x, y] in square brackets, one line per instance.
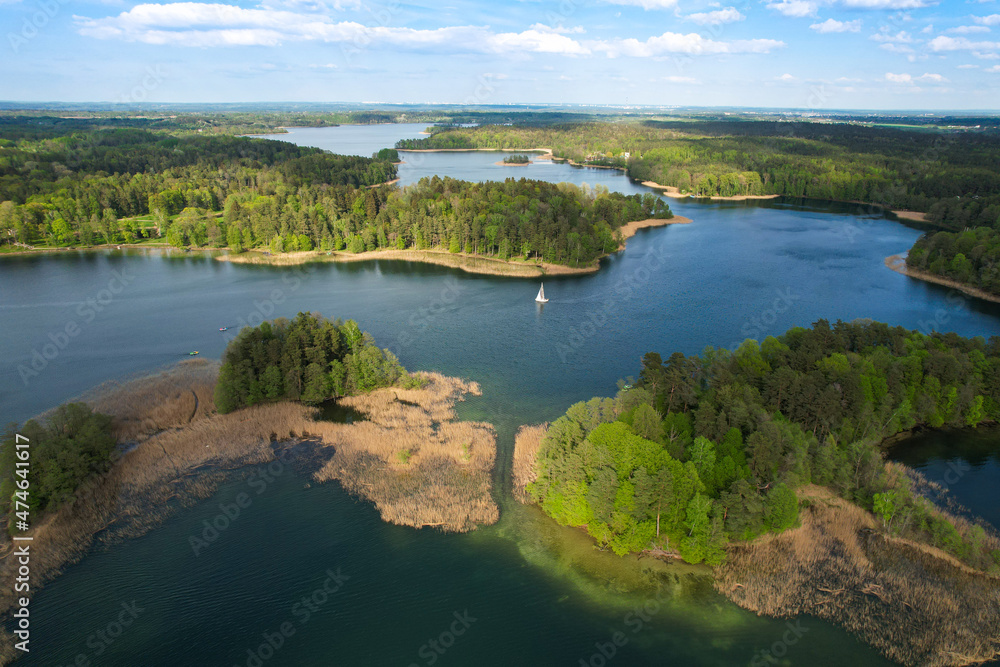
[468, 263]
[915, 216]
[898, 264]
[628, 230]
[671, 191]
[540, 149]
[465, 262]
[512, 164]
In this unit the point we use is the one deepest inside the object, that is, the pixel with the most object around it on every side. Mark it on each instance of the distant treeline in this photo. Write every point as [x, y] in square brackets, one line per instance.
[706, 450]
[309, 359]
[954, 177]
[126, 185]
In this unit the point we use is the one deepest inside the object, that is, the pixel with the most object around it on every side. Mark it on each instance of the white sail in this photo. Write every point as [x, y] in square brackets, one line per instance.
[541, 294]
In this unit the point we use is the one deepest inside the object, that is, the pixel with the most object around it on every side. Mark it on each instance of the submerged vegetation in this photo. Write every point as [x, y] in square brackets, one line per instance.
[708, 450]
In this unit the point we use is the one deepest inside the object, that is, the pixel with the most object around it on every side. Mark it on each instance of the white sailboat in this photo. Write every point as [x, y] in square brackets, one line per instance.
[541, 294]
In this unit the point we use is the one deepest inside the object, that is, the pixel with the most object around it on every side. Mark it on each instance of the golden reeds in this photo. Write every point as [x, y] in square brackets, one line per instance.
[914, 603]
[526, 444]
[178, 451]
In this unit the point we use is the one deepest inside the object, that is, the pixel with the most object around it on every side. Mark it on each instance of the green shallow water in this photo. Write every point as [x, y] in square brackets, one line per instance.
[540, 594]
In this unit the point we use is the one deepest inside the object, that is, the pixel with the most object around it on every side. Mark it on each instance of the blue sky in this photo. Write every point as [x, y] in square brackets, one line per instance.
[820, 54]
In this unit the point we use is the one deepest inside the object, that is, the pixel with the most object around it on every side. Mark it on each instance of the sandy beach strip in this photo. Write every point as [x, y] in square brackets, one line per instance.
[898, 264]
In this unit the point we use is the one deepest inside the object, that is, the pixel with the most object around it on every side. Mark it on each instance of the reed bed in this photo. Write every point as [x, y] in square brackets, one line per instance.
[526, 444]
[914, 603]
[177, 451]
[418, 465]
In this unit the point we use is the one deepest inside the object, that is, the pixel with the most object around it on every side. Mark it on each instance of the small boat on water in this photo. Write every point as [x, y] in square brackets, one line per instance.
[191, 354]
[223, 328]
[541, 294]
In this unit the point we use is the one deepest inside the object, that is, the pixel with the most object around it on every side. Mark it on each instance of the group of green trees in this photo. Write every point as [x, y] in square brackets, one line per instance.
[309, 359]
[69, 446]
[705, 450]
[971, 256]
[126, 184]
[86, 188]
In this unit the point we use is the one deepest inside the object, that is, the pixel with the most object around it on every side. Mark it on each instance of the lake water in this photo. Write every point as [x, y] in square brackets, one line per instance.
[539, 594]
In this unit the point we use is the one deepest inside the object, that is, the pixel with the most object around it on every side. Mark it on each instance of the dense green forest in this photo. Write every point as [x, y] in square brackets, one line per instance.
[69, 446]
[917, 170]
[309, 359]
[708, 449]
[971, 256]
[129, 185]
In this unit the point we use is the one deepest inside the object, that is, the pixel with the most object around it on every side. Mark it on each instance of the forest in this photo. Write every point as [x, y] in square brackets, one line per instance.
[971, 256]
[309, 359]
[69, 446]
[705, 450]
[953, 177]
[129, 185]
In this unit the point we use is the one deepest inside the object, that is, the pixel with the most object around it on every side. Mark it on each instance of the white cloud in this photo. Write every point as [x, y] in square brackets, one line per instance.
[910, 79]
[944, 43]
[785, 77]
[795, 8]
[895, 48]
[576, 30]
[679, 79]
[901, 37]
[717, 17]
[204, 25]
[885, 4]
[968, 66]
[994, 69]
[992, 19]
[985, 56]
[691, 43]
[830, 25]
[645, 4]
[967, 29]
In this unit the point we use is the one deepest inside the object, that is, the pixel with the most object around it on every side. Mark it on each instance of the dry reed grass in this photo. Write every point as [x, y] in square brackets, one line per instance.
[418, 465]
[179, 453]
[526, 444]
[914, 603]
